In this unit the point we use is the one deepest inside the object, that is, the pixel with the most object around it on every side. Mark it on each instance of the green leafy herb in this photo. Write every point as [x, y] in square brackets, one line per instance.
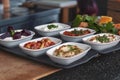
[108, 28]
[52, 26]
[71, 47]
[83, 18]
[103, 39]
[77, 32]
[93, 24]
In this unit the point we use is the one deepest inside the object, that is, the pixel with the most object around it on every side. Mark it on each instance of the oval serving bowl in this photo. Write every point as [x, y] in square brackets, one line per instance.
[41, 51]
[68, 60]
[75, 38]
[13, 43]
[44, 31]
[101, 46]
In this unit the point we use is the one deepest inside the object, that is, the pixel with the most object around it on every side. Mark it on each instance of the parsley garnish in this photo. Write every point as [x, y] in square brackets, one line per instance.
[52, 26]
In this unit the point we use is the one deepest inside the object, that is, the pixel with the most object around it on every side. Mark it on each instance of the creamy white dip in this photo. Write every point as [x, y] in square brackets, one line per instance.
[11, 39]
[110, 37]
[52, 29]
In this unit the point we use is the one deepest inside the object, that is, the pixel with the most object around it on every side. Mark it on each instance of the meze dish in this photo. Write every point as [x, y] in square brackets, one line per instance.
[51, 29]
[45, 42]
[68, 53]
[13, 37]
[102, 41]
[38, 46]
[12, 34]
[103, 38]
[76, 34]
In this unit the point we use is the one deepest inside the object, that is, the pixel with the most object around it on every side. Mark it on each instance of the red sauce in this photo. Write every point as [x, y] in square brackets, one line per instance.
[76, 32]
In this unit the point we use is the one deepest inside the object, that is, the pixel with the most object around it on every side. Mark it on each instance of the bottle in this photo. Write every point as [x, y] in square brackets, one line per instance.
[88, 7]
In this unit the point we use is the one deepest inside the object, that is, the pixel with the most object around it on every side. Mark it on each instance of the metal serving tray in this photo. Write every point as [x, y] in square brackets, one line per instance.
[112, 49]
[45, 59]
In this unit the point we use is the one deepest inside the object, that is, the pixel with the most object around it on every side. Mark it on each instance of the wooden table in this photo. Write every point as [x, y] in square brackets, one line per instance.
[114, 10]
[13, 67]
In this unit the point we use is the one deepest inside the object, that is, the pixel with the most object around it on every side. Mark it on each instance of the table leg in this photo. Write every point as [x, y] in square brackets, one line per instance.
[65, 15]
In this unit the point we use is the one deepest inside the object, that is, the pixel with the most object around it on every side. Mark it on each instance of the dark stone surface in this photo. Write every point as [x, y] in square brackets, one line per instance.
[104, 67]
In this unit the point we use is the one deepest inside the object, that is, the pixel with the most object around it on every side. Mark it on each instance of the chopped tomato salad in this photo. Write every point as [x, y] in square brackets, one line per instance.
[39, 44]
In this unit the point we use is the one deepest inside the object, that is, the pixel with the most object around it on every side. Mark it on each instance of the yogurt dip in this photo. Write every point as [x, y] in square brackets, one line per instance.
[59, 27]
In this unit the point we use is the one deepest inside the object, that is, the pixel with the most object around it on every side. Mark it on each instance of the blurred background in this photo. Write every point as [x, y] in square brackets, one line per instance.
[68, 8]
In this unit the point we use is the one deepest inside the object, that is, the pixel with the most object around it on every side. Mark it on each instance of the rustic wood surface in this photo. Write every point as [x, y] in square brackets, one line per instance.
[114, 10]
[13, 67]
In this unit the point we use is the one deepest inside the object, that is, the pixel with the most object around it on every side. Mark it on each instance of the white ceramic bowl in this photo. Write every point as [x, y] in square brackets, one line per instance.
[101, 46]
[44, 31]
[38, 52]
[75, 38]
[12, 43]
[69, 60]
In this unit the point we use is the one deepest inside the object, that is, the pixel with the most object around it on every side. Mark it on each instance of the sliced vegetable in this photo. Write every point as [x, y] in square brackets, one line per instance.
[25, 32]
[15, 34]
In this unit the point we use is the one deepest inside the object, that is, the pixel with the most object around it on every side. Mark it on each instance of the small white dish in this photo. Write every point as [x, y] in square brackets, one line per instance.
[75, 38]
[101, 46]
[38, 52]
[9, 42]
[68, 60]
[44, 31]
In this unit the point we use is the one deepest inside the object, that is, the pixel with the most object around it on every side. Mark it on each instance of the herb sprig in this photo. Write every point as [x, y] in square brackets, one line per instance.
[102, 39]
[52, 26]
